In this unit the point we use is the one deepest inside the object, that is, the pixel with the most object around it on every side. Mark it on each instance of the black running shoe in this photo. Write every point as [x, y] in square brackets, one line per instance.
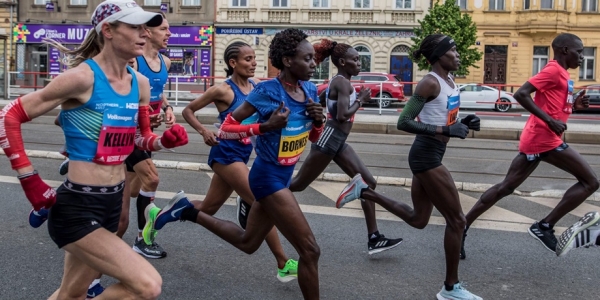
[546, 237]
[463, 254]
[243, 210]
[382, 244]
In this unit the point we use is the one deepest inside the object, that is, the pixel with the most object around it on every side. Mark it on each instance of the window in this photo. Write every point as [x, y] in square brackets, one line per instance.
[462, 4]
[471, 88]
[322, 71]
[280, 3]
[526, 4]
[404, 4]
[78, 2]
[496, 4]
[39, 2]
[547, 4]
[365, 58]
[362, 3]
[152, 2]
[586, 71]
[540, 59]
[190, 3]
[239, 3]
[589, 5]
[320, 3]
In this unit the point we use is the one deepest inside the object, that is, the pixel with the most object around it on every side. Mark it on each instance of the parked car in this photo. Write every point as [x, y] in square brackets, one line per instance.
[473, 95]
[593, 90]
[389, 83]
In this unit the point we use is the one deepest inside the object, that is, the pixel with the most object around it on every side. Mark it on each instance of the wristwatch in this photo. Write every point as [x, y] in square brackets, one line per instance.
[165, 108]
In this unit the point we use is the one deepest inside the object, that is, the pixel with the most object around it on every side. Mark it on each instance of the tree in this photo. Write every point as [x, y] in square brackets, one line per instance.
[447, 19]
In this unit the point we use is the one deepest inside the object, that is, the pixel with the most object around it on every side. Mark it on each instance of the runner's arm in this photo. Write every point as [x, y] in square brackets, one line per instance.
[523, 96]
[344, 110]
[427, 89]
[212, 94]
[232, 129]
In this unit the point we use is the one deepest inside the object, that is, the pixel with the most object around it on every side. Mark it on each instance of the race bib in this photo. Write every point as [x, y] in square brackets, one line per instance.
[294, 138]
[117, 136]
[570, 100]
[453, 106]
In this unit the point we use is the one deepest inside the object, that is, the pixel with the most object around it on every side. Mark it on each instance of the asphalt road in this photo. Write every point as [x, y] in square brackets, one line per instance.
[503, 262]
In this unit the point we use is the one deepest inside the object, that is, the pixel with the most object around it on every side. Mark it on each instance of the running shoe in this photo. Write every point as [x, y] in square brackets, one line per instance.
[172, 212]
[545, 236]
[382, 244]
[243, 210]
[457, 293]
[63, 169]
[37, 218]
[149, 233]
[94, 291]
[352, 191]
[581, 234]
[153, 250]
[463, 254]
[289, 271]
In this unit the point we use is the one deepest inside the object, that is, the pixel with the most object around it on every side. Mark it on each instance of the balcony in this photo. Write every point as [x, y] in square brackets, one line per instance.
[403, 17]
[319, 16]
[550, 21]
[361, 17]
[237, 15]
[279, 16]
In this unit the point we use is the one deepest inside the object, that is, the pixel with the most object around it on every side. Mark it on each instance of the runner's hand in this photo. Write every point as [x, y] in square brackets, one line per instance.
[156, 121]
[315, 111]
[364, 95]
[457, 129]
[472, 121]
[174, 137]
[169, 118]
[39, 194]
[210, 138]
[278, 119]
[557, 126]
[582, 101]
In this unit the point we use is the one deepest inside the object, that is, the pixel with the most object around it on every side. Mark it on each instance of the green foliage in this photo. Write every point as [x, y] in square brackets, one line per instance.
[447, 19]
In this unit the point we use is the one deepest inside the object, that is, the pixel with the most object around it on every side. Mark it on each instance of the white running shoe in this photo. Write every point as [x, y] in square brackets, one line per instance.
[581, 234]
[457, 293]
[352, 191]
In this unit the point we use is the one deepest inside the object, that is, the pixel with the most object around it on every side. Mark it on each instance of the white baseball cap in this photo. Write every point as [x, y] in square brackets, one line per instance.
[126, 11]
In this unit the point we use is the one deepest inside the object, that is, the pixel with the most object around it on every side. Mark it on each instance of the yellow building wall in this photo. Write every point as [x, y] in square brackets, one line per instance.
[521, 29]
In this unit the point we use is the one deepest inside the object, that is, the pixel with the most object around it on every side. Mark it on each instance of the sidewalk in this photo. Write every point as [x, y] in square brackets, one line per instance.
[578, 133]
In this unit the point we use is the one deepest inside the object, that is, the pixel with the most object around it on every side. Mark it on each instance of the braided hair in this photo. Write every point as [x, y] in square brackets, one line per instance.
[231, 52]
[284, 44]
[330, 48]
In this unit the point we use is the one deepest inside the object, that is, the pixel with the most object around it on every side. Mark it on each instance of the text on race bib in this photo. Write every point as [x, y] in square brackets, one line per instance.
[453, 107]
[117, 136]
[294, 138]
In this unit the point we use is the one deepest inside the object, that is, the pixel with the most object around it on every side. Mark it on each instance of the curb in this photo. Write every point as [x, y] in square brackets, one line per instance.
[333, 177]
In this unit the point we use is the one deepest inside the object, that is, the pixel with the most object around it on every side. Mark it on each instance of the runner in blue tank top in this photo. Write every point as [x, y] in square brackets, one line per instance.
[102, 100]
[287, 119]
[142, 177]
[228, 158]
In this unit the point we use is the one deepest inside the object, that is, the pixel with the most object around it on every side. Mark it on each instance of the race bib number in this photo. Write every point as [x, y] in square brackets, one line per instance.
[570, 100]
[117, 136]
[294, 138]
[453, 106]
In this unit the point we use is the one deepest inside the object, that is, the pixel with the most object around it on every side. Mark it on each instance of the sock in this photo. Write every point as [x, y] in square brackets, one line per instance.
[545, 225]
[448, 287]
[373, 237]
[139, 237]
[96, 281]
[143, 200]
[598, 241]
[190, 214]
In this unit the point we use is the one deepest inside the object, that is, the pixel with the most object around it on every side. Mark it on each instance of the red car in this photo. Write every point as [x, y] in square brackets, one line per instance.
[389, 83]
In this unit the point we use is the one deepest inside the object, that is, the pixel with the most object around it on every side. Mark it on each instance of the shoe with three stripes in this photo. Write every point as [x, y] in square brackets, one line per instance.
[381, 244]
[544, 236]
[581, 234]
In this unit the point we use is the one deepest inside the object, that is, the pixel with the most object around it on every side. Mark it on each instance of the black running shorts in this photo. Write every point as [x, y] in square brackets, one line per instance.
[331, 142]
[136, 157]
[540, 156]
[425, 154]
[81, 209]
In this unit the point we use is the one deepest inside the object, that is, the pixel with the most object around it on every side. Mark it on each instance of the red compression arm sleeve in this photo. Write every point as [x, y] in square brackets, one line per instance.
[11, 140]
[231, 129]
[145, 138]
[315, 133]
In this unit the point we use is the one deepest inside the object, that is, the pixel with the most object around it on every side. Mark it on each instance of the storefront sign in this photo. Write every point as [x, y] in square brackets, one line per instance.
[340, 32]
[49, 6]
[187, 64]
[75, 34]
[229, 30]
[164, 7]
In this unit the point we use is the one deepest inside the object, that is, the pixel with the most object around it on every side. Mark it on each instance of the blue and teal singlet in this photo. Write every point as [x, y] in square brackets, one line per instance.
[157, 81]
[103, 129]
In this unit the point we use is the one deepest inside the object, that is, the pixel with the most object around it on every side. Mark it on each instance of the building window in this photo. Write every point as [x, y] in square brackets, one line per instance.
[526, 4]
[190, 3]
[362, 3]
[39, 2]
[320, 3]
[496, 4]
[540, 59]
[462, 4]
[404, 4]
[78, 2]
[152, 2]
[239, 3]
[586, 71]
[589, 5]
[280, 3]
[321, 72]
[365, 58]
[547, 4]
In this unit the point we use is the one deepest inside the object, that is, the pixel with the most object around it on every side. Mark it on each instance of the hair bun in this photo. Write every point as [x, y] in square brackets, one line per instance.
[333, 44]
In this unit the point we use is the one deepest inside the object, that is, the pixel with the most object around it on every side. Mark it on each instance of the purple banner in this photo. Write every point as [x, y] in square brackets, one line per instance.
[75, 34]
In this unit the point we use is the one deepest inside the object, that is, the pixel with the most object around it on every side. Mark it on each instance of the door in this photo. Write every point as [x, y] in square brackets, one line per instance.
[495, 65]
[39, 65]
[402, 66]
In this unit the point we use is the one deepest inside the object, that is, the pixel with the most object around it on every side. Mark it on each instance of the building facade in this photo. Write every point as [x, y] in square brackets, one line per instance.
[515, 37]
[379, 29]
[68, 21]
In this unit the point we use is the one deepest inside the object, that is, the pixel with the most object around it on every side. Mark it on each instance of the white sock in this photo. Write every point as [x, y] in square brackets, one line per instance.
[96, 281]
[139, 237]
